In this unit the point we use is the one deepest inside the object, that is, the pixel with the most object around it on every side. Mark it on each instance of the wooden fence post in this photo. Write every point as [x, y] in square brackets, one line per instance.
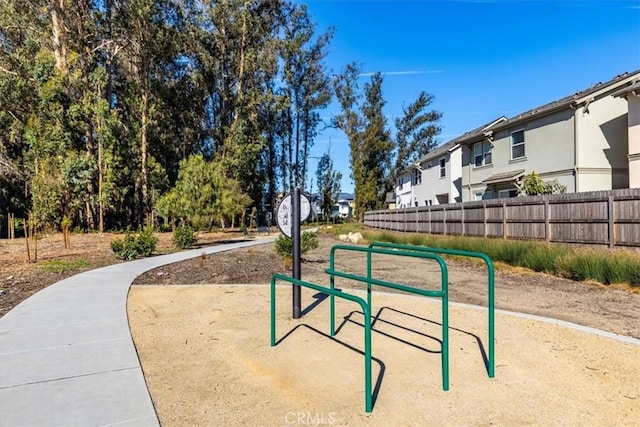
[612, 230]
[547, 223]
[484, 218]
[504, 219]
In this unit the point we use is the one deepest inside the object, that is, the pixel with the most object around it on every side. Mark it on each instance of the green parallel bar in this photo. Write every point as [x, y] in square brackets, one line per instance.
[368, 404]
[443, 293]
[491, 285]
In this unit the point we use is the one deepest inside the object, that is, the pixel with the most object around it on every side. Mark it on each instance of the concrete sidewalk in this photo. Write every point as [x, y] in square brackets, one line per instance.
[66, 353]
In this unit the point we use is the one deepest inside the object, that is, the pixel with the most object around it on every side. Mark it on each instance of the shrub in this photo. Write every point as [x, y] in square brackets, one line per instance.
[184, 237]
[132, 246]
[284, 244]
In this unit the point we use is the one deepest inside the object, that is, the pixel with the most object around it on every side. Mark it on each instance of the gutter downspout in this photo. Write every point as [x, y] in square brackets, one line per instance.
[575, 148]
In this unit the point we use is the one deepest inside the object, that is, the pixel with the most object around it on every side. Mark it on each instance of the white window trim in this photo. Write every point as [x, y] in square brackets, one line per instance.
[443, 167]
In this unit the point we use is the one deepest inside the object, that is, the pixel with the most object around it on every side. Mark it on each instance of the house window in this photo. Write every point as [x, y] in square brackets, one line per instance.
[517, 144]
[417, 176]
[505, 194]
[482, 153]
[427, 202]
[485, 195]
[443, 170]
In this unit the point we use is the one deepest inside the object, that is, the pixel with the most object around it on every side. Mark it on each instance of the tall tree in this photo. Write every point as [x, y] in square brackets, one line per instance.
[308, 88]
[350, 121]
[371, 148]
[328, 183]
[415, 134]
[377, 149]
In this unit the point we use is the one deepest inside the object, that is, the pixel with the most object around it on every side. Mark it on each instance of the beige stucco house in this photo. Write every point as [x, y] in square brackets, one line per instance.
[632, 94]
[587, 141]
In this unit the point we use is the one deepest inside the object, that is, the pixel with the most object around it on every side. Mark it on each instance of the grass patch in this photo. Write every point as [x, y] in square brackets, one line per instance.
[600, 265]
[63, 266]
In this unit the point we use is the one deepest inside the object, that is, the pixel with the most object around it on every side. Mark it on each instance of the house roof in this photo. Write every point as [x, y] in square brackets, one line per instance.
[633, 89]
[562, 103]
[391, 197]
[504, 177]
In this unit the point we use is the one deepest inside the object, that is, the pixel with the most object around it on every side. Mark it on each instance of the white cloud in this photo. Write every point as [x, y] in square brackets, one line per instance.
[402, 73]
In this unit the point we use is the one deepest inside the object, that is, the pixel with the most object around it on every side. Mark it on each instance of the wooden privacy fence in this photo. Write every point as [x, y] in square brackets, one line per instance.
[601, 217]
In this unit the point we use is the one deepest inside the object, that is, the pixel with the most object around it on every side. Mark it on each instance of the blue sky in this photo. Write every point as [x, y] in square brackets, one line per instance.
[481, 59]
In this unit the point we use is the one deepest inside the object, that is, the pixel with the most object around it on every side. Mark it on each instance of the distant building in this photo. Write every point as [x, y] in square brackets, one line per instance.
[343, 208]
[434, 179]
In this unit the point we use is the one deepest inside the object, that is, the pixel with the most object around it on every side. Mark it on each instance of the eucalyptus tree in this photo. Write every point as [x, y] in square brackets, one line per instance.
[415, 134]
[328, 181]
[308, 89]
[377, 149]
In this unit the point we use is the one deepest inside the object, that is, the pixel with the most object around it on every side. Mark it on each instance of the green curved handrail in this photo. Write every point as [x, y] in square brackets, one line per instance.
[490, 279]
[442, 293]
[334, 293]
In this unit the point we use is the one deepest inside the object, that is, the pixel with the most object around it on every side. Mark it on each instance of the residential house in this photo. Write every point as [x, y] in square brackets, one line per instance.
[436, 178]
[343, 208]
[440, 180]
[587, 142]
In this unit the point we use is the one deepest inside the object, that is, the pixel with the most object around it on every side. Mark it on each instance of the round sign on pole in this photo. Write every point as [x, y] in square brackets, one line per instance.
[283, 213]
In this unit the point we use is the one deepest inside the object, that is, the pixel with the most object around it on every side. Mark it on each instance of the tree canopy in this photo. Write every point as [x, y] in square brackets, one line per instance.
[113, 110]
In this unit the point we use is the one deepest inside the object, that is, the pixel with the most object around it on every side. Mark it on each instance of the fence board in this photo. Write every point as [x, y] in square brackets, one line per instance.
[602, 217]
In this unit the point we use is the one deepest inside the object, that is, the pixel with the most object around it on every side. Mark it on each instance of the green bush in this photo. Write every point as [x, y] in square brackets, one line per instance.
[284, 244]
[132, 246]
[184, 237]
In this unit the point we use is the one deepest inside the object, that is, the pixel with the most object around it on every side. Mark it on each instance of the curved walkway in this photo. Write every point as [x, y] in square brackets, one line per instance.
[66, 353]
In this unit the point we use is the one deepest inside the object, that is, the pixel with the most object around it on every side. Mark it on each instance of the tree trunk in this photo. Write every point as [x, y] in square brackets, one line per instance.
[100, 196]
[144, 176]
[59, 34]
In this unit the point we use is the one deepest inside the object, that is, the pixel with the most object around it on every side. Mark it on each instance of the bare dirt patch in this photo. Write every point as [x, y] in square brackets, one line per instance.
[610, 308]
[19, 279]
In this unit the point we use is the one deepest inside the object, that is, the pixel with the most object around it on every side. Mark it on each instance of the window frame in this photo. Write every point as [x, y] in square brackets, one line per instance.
[518, 144]
[443, 167]
[486, 149]
[417, 176]
[508, 192]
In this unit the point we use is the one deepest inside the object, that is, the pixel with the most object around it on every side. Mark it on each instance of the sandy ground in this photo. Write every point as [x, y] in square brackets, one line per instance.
[206, 355]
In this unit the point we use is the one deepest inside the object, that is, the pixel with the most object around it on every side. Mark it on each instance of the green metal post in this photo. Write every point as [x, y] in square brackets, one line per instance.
[332, 301]
[367, 361]
[369, 280]
[273, 311]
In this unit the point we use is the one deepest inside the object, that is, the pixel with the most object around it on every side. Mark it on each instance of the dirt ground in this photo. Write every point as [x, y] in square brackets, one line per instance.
[611, 308]
[20, 278]
[205, 351]
[203, 344]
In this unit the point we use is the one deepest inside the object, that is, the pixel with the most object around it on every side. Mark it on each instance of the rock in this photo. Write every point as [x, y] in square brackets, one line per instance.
[354, 237]
[344, 237]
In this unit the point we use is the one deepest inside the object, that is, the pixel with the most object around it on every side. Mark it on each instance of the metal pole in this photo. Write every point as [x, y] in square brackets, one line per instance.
[295, 236]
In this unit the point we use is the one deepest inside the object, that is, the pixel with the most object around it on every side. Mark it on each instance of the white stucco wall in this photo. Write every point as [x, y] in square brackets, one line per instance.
[433, 185]
[404, 191]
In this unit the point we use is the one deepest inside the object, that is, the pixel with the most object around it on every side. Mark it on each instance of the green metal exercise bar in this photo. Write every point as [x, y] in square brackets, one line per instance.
[442, 293]
[491, 284]
[367, 325]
